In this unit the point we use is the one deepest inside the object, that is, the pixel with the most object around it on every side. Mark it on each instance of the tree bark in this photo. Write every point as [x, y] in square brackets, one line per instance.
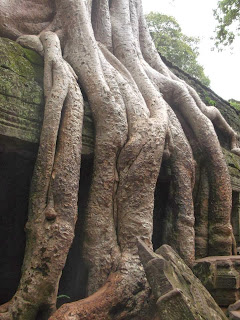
[135, 101]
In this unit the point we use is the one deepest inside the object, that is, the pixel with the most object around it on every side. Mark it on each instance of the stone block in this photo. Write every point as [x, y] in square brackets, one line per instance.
[22, 99]
[179, 294]
[220, 275]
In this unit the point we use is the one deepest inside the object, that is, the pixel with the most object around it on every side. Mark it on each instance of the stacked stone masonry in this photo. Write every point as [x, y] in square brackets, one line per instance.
[221, 276]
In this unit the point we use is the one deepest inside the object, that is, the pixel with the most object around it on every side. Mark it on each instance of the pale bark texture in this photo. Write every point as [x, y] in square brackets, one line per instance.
[141, 113]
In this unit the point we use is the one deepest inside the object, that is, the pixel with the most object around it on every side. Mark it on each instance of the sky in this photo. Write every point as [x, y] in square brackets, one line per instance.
[196, 19]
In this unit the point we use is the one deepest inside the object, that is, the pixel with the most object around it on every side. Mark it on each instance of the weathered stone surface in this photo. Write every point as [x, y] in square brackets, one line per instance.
[234, 311]
[21, 114]
[179, 294]
[21, 101]
[21, 96]
[233, 162]
[231, 114]
[221, 276]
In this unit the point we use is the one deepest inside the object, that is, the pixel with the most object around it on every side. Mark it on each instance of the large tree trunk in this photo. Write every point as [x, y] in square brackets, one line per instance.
[136, 102]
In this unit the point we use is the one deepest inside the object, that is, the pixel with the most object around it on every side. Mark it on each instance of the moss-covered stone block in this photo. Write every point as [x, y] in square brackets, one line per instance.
[220, 275]
[233, 162]
[21, 92]
[179, 294]
[21, 61]
[22, 99]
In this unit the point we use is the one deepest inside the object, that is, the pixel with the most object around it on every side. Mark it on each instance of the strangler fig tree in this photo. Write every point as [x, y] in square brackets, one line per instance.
[141, 113]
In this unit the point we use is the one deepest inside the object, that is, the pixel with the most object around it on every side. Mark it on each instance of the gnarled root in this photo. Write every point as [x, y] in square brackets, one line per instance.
[179, 224]
[54, 189]
[131, 123]
[201, 213]
[124, 296]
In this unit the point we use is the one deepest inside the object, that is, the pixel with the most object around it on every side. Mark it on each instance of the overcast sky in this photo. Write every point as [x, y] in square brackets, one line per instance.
[196, 19]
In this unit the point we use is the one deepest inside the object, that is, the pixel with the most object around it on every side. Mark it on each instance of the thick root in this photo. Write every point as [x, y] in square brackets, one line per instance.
[201, 213]
[180, 212]
[54, 190]
[131, 123]
[125, 295]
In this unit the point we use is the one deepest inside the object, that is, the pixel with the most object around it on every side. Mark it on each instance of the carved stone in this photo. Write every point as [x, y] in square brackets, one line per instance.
[21, 98]
[234, 311]
[179, 294]
[221, 276]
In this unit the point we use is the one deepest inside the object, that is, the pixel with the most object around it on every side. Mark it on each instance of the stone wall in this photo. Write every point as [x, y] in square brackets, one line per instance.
[21, 104]
[21, 114]
[21, 98]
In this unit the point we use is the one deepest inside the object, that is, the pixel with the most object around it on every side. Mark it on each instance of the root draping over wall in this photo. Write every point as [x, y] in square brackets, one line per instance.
[141, 112]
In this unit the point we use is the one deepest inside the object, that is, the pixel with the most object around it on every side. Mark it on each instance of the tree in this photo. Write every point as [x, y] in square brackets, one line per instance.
[227, 15]
[178, 48]
[140, 111]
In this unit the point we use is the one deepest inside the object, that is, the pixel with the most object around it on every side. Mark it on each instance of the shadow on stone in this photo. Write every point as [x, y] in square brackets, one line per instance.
[178, 292]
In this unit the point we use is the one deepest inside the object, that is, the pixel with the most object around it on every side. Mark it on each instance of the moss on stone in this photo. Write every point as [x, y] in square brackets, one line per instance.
[19, 60]
[21, 92]
[22, 99]
[232, 160]
[25, 89]
[33, 57]
[27, 111]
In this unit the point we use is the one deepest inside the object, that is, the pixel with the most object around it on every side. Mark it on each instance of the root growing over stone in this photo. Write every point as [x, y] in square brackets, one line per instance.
[140, 111]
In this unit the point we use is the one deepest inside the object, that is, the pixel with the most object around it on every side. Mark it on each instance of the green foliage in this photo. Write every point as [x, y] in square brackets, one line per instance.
[63, 296]
[209, 101]
[228, 16]
[235, 104]
[178, 48]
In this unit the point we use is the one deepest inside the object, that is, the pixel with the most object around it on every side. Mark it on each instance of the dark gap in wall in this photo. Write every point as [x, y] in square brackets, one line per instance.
[160, 204]
[73, 282]
[15, 177]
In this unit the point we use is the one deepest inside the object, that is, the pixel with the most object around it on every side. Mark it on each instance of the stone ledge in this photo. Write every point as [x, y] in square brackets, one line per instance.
[21, 97]
[221, 276]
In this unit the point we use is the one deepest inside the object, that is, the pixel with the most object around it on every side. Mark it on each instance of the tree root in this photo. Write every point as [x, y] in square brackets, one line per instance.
[54, 189]
[109, 302]
[130, 92]
[180, 214]
[201, 213]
